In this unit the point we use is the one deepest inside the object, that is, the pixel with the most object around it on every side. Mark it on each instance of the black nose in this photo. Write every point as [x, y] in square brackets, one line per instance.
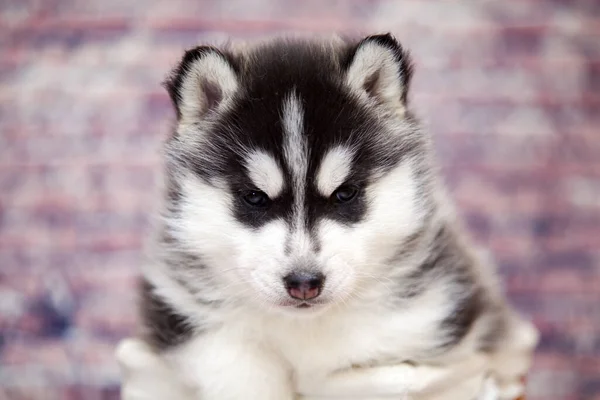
[304, 285]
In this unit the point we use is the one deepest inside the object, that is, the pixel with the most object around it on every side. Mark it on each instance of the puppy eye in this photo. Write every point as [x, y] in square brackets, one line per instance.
[256, 198]
[344, 194]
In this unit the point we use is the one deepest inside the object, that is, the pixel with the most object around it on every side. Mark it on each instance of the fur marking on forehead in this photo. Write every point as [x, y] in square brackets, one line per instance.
[295, 149]
[334, 169]
[265, 173]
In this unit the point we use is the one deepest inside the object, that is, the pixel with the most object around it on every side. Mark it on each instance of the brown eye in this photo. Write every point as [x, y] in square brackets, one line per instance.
[256, 198]
[344, 194]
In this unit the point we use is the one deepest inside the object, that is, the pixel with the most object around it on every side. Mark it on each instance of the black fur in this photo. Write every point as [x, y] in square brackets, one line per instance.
[440, 258]
[495, 332]
[461, 319]
[163, 326]
[448, 260]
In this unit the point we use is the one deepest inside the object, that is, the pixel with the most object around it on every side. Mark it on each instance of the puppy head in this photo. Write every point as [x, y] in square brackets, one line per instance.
[296, 170]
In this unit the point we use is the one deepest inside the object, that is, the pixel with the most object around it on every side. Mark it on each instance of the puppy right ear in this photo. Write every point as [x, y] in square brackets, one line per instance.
[204, 79]
[380, 69]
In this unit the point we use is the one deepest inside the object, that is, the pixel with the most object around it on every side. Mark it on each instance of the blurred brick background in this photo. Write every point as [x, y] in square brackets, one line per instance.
[510, 88]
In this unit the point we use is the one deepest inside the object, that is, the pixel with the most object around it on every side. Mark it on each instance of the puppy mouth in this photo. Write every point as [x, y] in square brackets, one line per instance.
[302, 304]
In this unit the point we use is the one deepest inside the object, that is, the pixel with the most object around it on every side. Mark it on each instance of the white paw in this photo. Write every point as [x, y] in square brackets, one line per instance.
[145, 375]
[132, 353]
[511, 391]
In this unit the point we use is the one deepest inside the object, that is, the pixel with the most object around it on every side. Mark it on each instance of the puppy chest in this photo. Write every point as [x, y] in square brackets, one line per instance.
[355, 341]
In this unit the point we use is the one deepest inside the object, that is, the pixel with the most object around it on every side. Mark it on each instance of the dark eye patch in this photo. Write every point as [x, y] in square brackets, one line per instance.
[255, 208]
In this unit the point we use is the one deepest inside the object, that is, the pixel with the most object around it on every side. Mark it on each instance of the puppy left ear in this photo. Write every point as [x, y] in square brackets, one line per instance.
[380, 69]
[204, 79]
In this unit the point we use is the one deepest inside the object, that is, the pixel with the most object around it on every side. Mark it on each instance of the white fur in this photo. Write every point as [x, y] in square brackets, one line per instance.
[231, 368]
[265, 173]
[146, 376]
[334, 170]
[354, 327]
[296, 156]
[295, 149]
[355, 258]
[255, 349]
[269, 358]
[244, 256]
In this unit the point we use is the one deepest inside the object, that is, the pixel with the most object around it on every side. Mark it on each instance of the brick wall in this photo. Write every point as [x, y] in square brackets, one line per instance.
[511, 90]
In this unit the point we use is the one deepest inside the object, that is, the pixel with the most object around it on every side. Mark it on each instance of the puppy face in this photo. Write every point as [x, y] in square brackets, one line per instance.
[296, 172]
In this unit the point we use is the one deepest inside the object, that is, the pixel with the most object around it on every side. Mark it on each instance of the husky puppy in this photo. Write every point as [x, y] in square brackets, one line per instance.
[306, 245]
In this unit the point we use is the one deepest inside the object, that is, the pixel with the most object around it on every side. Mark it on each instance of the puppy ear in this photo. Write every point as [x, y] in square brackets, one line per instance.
[204, 79]
[380, 69]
